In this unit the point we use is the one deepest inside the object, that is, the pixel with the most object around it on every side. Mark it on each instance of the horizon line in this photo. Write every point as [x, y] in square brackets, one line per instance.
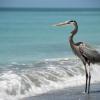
[46, 9]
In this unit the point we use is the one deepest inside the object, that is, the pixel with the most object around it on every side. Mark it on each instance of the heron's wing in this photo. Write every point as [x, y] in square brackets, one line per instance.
[90, 53]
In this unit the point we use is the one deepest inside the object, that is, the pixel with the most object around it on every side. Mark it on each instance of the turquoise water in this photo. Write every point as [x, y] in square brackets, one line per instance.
[29, 35]
[35, 57]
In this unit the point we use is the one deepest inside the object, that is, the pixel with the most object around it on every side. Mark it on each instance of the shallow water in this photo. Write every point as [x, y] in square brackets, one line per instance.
[29, 35]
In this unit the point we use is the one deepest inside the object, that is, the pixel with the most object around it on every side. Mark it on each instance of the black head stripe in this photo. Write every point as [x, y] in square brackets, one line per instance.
[72, 21]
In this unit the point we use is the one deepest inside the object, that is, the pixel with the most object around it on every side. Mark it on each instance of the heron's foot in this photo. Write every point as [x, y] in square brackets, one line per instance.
[88, 92]
[86, 89]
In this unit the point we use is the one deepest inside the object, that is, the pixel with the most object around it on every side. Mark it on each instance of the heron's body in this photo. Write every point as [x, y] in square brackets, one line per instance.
[87, 54]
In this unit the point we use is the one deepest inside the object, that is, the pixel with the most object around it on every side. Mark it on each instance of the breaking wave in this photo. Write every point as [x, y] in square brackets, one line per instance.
[24, 80]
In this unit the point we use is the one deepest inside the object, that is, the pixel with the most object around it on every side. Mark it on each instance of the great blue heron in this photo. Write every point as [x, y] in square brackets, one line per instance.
[83, 51]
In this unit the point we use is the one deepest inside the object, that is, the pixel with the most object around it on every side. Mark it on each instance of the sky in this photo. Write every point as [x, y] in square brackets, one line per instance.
[51, 3]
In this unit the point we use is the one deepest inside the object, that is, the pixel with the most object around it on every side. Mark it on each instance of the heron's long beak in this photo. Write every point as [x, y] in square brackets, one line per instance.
[61, 24]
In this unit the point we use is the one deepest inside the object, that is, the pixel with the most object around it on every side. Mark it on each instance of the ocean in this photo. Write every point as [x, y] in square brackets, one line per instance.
[35, 57]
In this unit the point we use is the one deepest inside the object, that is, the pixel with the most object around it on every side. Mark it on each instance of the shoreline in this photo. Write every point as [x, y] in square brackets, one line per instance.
[72, 93]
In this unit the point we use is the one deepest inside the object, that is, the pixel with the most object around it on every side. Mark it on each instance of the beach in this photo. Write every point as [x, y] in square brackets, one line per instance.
[36, 61]
[73, 93]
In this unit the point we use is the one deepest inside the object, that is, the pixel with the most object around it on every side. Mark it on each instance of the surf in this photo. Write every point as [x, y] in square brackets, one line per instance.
[25, 80]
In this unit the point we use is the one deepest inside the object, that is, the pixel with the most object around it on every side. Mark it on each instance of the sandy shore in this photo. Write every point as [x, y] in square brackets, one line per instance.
[73, 93]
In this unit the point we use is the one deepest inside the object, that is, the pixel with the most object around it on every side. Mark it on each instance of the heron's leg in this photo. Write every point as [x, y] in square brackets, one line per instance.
[86, 73]
[89, 80]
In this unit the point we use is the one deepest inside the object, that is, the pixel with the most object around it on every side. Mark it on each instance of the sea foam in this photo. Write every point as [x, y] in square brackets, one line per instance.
[42, 77]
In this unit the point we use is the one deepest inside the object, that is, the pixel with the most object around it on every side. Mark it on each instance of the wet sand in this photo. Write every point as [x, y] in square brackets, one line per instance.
[72, 93]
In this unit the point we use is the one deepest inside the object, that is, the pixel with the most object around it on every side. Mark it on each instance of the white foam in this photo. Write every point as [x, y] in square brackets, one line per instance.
[33, 82]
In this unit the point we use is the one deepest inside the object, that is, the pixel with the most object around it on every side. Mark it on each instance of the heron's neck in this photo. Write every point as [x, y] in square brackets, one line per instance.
[74, 31]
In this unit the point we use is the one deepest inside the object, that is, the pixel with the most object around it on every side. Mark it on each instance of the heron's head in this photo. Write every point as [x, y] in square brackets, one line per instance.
[70, 22]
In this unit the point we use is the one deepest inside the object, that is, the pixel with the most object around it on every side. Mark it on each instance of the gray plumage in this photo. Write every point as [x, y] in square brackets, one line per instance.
[89, 53]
